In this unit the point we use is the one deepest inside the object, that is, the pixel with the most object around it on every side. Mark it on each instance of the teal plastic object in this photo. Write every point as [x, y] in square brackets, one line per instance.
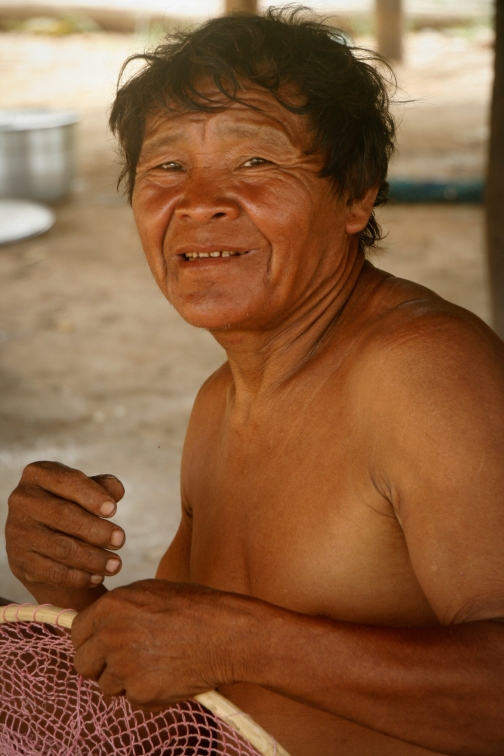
[469, 191]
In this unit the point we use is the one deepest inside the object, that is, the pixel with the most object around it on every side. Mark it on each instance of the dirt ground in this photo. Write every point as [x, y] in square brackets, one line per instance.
[96, 369]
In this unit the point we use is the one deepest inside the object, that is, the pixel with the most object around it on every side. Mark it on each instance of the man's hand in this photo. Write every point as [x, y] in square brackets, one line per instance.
[57, 540]
[158, 642]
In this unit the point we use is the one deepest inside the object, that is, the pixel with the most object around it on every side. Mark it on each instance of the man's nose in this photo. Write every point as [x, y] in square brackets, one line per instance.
[206, 200]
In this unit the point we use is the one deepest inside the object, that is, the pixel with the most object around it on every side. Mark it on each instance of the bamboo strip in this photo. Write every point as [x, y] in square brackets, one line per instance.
[213, 701]
[51, 615]
[242, 723]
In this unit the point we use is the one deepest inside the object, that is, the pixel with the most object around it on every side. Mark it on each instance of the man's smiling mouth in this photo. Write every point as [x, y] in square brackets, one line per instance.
[216, 253]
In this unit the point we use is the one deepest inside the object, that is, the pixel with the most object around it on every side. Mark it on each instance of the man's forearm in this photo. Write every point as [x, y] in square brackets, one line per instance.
[438, 688]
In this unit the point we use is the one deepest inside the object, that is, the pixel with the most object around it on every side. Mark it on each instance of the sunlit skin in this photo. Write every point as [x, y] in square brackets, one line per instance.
[211, 191]
[338, 571]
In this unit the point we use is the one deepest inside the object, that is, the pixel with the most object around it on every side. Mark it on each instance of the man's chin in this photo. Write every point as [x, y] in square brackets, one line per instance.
[214, 319]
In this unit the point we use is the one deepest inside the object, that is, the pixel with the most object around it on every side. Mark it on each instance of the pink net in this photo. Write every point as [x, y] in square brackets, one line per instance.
[47, 709]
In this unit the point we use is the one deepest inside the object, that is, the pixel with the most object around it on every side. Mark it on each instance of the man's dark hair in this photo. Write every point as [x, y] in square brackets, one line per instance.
[344, 95]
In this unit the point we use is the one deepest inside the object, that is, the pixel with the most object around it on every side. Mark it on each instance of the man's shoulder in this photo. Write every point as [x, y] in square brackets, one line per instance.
[407, 319]
[418, 346]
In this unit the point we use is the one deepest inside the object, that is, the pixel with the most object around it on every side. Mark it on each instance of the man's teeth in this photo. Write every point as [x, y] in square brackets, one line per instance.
[222, 253]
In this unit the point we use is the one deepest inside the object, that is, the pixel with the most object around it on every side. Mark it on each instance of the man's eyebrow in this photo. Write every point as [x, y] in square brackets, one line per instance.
[154, 144]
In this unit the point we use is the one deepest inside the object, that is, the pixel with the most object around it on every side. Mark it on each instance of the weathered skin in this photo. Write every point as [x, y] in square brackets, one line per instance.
[342, 477]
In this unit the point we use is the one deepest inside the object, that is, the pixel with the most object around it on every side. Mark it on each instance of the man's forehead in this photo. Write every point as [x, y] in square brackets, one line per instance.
[258, 113]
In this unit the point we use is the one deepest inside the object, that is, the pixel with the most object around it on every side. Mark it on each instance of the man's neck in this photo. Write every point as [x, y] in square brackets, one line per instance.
[261, 360]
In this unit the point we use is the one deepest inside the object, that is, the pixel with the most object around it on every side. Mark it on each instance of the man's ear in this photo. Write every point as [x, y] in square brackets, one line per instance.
[359, 210]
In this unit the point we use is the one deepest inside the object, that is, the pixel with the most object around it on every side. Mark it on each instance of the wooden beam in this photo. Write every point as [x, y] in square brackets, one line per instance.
[389, 28]
[494, 199]
[245, 6]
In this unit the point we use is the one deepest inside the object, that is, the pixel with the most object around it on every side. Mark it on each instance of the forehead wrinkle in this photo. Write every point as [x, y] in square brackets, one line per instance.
[255, 103]
[260, 106]
[260, 115]
[267, 133]
[153, 144]
[269, 129]
[154, 140]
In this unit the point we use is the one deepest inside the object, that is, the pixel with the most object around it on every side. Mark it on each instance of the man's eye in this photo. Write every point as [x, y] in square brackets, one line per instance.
[253, 162]
[171, 166]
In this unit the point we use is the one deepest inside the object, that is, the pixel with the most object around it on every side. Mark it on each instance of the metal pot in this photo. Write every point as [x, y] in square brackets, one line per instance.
[37, 154]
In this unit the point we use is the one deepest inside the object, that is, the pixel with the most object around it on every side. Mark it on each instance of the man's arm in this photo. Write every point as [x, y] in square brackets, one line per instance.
[439, 459]
[438, 456]
[440, 689]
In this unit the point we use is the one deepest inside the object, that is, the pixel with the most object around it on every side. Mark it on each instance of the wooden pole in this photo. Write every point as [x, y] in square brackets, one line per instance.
[389, 27]
[245, 6]
[494, 198]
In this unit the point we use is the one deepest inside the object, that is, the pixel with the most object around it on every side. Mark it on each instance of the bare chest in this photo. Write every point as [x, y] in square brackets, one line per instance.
[287, 512]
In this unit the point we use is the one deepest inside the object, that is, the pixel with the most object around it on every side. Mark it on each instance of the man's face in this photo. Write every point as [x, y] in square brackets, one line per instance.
[238, 228]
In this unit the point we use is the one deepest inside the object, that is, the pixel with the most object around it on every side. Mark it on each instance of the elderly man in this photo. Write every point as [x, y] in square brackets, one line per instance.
[339, 567]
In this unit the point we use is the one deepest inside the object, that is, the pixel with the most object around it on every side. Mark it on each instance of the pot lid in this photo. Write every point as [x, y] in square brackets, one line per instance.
[20, 219]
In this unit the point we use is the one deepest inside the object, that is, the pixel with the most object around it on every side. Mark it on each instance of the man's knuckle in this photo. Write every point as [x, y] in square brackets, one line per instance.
[63, 548]
[13, 498]
[31, 469]
[78, 579]
[45, 472]
[58, 574]
[34, 469]
[77, 476]
[17, 499]
[71, 518]
[27, 502]
[87, 525]
[90, 530]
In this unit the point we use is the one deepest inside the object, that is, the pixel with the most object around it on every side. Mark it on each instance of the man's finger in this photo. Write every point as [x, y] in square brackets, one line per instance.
[109, 683]
[74, 553]
[66, 517]
[88, 661]
[111, 484]
[84, 626]
[38, 568]
[70, 484]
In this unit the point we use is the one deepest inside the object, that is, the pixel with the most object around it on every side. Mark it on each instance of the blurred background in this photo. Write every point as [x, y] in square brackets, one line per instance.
[96, 369]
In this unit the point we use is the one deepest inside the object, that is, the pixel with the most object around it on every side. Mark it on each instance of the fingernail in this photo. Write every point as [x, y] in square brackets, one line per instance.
[112, 565]
[108, 475]
[95, 579]
[107, 508]
[117, 538]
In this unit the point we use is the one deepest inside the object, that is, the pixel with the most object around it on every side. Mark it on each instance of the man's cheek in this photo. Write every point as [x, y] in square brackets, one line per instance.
[152, 242]
[152, 206]
[151, 227]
